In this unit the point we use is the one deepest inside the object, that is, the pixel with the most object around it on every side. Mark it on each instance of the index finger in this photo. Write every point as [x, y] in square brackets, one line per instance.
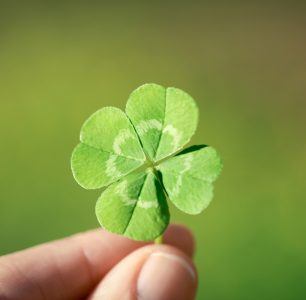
[71, 268]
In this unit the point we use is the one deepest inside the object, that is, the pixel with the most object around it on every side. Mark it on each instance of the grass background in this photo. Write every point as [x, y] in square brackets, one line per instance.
[244, 63]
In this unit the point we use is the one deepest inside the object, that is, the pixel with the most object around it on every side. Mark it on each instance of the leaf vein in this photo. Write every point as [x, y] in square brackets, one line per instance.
[139, 194]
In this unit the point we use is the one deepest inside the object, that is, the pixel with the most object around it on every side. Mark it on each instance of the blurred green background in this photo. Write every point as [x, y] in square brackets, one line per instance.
[244, 63]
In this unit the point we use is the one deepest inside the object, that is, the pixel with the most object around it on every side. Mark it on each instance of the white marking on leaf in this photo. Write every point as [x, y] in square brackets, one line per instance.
[147, 204]
[175, 133]
[144, 126]
[122, 191]
[111, 168]
[187, 166]
[121, 138]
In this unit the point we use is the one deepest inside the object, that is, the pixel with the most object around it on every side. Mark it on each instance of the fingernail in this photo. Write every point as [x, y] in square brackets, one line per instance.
[166, 276]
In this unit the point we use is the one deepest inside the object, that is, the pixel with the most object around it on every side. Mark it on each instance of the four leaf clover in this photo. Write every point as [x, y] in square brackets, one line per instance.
[125, 152]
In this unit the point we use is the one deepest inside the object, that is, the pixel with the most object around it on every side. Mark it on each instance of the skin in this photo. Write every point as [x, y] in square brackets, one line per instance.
[100, 265]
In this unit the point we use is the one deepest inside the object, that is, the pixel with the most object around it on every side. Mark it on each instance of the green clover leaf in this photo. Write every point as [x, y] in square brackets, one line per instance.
[137, 157]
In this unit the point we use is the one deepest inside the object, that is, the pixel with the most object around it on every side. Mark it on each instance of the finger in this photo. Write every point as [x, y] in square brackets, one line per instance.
[71, 267]
[180, 237]
[62, 269]
[156, 272]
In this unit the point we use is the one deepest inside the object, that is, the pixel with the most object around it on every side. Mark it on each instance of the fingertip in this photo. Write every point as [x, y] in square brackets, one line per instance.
[167, 273]
[180, 237]
[152, 272]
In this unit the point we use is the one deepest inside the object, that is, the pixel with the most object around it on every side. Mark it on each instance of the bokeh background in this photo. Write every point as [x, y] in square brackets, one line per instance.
[244, 63]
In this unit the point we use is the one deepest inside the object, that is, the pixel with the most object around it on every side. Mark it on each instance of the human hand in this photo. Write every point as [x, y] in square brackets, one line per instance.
[100, 265]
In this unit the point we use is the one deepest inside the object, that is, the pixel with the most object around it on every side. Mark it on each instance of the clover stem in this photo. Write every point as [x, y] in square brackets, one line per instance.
[159, 240]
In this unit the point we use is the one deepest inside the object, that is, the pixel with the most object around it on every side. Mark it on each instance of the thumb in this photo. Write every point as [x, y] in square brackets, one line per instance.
[153, 272]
